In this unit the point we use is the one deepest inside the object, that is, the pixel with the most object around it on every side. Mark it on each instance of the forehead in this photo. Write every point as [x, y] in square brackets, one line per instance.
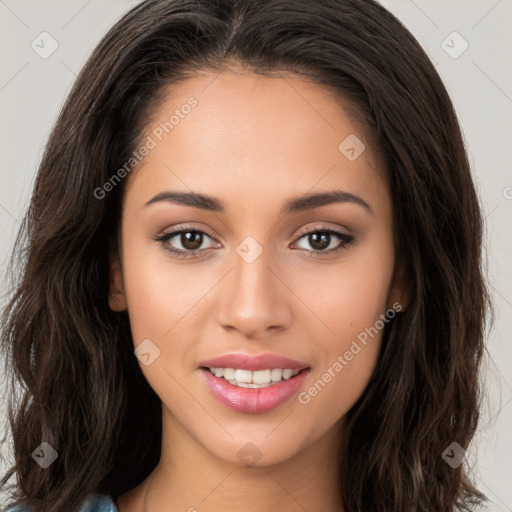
[240, 135]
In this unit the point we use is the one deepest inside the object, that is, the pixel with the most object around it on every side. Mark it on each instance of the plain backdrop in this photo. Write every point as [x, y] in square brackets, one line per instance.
[469, 43]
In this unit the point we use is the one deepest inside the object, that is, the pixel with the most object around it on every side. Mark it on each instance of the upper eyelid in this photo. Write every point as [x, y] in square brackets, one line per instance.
[314, 229]
[183, 229]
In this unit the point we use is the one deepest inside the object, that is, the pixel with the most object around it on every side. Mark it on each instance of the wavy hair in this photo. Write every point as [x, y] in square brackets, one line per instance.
[74, 380]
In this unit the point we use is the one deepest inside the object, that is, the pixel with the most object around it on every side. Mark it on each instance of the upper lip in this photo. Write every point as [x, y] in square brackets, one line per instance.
[253, 362]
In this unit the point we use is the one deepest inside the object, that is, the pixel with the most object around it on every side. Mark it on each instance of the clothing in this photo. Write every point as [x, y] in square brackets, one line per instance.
[95, 503]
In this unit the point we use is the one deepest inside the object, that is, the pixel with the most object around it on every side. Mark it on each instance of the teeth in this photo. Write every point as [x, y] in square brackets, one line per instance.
[287, 374]
[276, 374]
[240, 375]
[229, 373]
[261, 377]
[253, 379]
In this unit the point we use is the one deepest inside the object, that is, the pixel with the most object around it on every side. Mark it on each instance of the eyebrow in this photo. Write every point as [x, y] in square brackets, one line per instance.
[293, 205]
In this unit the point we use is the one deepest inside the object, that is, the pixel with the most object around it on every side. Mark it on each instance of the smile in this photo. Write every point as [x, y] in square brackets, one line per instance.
[254, 379]
[253, 383]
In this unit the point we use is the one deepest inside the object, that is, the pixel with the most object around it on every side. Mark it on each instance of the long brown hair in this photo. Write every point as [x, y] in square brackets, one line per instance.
[74, 380]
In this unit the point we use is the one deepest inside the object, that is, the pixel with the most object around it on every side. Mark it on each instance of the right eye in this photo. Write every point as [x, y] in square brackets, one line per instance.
[190, 241]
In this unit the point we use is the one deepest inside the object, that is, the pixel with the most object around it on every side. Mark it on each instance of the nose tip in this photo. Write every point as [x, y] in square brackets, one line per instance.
[254, 301]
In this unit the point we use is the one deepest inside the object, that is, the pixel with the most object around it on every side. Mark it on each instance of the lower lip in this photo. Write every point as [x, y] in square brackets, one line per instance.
[253, 400]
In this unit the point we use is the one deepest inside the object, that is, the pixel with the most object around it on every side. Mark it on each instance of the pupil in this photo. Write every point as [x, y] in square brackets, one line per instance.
[191, 240]
[319, 241]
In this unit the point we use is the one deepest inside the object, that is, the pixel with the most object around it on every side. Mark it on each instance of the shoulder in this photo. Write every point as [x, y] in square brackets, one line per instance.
[99, 503]
[95, 503]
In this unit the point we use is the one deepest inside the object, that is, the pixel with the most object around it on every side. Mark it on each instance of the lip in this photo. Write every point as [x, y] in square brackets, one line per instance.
[265, 361]
[253, 400]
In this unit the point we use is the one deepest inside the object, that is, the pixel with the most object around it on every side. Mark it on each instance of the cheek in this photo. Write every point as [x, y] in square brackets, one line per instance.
[164, 301]
[348, 297]
[352, 303]
[150, 301]
[158, 293]
[160, 300]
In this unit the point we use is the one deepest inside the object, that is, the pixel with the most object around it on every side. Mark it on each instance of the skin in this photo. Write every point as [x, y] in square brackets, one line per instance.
[253, 143]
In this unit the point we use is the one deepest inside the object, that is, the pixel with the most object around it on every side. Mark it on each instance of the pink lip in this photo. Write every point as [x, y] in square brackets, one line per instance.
[257, 362]
[253, 400]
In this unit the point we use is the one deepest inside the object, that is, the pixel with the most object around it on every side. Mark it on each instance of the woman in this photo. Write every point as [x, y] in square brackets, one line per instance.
[251, 271]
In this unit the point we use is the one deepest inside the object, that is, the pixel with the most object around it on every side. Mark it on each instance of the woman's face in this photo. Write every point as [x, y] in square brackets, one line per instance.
[247, 283]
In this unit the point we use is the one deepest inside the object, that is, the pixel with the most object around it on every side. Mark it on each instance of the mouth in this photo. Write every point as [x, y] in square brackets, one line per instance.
[253, 384]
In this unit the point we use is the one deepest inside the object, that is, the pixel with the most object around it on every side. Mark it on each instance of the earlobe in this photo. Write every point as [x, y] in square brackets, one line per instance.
[117, 298]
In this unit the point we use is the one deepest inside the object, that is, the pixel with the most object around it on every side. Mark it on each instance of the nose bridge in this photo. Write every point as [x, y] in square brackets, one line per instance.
[253, 298]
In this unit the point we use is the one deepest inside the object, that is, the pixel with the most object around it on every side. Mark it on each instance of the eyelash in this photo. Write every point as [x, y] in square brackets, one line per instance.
[345, 239]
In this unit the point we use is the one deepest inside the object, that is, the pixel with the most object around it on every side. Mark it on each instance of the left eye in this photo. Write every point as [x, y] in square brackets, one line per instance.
[191, 240]
[321, 239]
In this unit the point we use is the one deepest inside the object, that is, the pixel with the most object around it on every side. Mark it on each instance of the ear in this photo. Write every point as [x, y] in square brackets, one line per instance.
[116, 297]
[400, 293]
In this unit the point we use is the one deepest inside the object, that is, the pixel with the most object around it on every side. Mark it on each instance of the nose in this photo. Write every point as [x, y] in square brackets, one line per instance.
[256, 301]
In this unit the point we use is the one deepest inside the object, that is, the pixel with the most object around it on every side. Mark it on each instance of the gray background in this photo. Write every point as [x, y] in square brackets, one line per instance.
[33, 88]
